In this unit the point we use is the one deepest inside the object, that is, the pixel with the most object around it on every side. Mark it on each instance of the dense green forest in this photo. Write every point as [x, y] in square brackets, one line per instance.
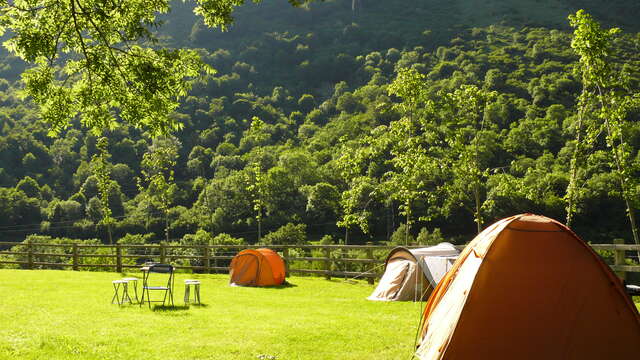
[339, 121]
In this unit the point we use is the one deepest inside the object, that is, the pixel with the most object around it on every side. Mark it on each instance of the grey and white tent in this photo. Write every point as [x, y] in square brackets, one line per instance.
[411, 274]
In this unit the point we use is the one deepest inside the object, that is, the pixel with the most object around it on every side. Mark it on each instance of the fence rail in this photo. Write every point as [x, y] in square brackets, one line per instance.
[361, 261]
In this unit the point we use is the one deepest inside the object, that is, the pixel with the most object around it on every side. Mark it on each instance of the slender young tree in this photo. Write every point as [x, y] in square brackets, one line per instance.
[607, 100]
[257, 188]
[158, 177]
[102, 171]
[406, 182]
[408, 151]
[363, 188]
[466, 129]
[355, 203]
[256, 184]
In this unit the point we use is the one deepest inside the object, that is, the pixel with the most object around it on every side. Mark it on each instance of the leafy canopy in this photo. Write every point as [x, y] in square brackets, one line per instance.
[98, 60]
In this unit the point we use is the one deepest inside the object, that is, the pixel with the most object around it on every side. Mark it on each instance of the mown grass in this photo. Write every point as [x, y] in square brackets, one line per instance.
[48, 314]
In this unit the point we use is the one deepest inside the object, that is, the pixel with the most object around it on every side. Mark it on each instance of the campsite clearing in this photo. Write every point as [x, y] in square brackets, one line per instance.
[50, 314]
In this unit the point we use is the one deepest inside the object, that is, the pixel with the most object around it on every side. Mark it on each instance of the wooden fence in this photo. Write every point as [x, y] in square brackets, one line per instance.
[349, 261]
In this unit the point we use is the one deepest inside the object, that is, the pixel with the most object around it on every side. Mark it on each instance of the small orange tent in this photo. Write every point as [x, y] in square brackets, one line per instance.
[528, 288]
[259, 267]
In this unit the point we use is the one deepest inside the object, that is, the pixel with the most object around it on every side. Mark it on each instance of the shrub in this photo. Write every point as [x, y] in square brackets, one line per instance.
[426, 238]
[203, 237]
[226, 239]
[327, 240]
[57, 255]
[288, 234]
[399, 236]
[136, 239]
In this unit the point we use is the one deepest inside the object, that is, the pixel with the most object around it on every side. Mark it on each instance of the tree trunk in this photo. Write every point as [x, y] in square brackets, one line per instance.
[146, 224]
[389, 222]
[166, 225]
[206, 201]
[259, 229]
[109, 234]
[476, 187]
[346, 235]
[393, 220]
[571, 188]
[476, 192]
[634, 227]
[408, 228]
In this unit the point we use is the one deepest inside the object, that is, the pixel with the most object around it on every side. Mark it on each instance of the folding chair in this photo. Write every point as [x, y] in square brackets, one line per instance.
[147, 287]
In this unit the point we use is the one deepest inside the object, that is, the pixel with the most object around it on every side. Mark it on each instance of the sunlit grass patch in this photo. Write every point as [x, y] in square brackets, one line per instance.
[68, 315]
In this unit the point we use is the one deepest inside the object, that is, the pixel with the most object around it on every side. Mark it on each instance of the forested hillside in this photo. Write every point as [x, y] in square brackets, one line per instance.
[299, 135]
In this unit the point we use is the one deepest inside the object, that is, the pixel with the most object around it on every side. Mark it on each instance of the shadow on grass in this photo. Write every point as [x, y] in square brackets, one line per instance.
[169, 308]
[198, 305]
[286, 285]
[350, 281]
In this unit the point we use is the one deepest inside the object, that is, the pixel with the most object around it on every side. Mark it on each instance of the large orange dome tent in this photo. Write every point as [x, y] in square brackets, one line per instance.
[259, 267]
[528, 288]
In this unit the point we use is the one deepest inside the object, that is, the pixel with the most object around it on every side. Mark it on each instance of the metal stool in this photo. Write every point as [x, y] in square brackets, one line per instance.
[117, 286]
[196, 291]
[133, 280]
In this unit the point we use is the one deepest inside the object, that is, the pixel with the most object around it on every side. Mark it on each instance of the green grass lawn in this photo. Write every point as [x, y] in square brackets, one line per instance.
[46, 314]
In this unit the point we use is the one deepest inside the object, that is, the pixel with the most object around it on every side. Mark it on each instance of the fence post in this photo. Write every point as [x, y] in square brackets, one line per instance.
[29, 256]
[371, 266]
[207, 261]
[327, 263]
[75, 256]
[344, 254]
[285, 255]
[215, 261]
[118, 258]
[618, 258]
[162, 253]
